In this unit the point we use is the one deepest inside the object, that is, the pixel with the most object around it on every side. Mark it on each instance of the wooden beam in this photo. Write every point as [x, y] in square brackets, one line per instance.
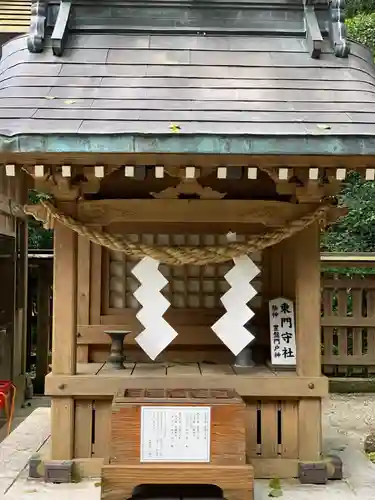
[268, 213]
[261, 386]
[64, 305]
[308, 299]
[5, 205]
[62, 427]
[187, 334]
[60, 30]
[313, 35]
[95, 283]
[264, 468]
[83, 292]
[64, 336]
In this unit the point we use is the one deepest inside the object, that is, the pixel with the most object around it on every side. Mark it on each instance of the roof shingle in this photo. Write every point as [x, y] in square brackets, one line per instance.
[141, 84]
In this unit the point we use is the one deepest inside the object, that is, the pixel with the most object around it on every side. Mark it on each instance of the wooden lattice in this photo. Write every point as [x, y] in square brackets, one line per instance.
[189, 287]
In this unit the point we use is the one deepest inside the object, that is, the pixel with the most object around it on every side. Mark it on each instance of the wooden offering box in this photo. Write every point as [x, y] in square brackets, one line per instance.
[177, 436]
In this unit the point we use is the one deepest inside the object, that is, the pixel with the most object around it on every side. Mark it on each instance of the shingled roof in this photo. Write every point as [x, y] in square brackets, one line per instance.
[274, 80]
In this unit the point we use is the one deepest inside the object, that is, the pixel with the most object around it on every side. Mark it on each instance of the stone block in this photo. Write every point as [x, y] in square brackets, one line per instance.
[58, 471]
[334, 467]
[35, 467]
[312, 472]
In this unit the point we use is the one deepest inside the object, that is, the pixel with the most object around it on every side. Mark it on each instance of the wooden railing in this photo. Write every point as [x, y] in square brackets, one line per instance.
[348, 314]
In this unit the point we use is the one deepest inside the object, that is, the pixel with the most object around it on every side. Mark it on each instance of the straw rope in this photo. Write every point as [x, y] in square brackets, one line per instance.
[182, 255]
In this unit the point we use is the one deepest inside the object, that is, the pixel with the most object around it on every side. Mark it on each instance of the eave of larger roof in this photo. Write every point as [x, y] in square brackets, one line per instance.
[321, 144]
[302, 138]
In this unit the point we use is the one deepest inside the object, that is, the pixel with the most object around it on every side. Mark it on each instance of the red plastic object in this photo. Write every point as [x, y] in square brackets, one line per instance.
[5, 389]
[7, 399]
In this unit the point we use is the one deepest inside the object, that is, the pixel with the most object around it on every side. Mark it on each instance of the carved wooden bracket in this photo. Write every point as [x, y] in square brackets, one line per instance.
[189, 187]
[35, 39]
[305, 185]
[337, 28]
[80, 181]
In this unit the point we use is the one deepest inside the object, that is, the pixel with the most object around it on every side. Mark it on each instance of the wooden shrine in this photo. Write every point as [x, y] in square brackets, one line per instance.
[191, 155]
[95, 291]
[141, 453]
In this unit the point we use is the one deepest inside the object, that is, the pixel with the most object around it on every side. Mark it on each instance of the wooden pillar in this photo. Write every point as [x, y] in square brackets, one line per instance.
[83, 293]
[277, 279]
[29, 319]
[64, 337]
[307, 261]
[43, 327]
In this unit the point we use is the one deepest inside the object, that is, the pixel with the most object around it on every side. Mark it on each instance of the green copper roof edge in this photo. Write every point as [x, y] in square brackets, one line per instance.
[320, 144]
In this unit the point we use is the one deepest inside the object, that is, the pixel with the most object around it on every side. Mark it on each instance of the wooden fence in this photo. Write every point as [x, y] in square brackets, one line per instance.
[348, 315]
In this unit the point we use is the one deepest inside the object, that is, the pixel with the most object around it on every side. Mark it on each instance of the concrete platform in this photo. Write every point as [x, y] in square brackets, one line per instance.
[347, 419]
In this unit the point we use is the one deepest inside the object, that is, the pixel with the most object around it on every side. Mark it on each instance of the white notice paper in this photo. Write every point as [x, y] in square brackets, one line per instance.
[175, 434]
[283, 332]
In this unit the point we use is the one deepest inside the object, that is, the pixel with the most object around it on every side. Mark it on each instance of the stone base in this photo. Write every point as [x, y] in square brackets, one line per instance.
[313, 472]
[334, 467]
[58, 471]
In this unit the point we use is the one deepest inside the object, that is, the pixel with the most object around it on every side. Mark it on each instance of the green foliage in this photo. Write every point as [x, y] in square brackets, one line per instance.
[275, 488]
[361, 28]
[354, 7]
[38, 236]
[356, 231]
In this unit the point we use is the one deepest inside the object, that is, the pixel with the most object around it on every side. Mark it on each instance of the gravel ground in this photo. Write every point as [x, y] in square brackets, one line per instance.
[347, 419]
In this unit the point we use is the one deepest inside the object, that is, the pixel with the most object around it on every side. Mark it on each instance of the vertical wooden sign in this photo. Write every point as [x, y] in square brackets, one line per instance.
[282, 332]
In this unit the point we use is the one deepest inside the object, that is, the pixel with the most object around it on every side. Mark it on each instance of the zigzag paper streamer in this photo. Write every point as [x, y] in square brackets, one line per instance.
[230, 327]
[157, 333]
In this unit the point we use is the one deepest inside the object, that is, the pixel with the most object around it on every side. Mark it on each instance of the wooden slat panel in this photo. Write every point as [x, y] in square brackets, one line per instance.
[83, 281]
[328, 331]
[371, 331]
[252, 447]
[96, 277]
[102, 432]
[342, 333]
[83, 429]
[289, 429]
[357, 313]
[309, 429]
[269, 446]
[83, 292]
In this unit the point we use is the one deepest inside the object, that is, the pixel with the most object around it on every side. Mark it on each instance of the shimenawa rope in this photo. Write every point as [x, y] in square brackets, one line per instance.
[182, 255]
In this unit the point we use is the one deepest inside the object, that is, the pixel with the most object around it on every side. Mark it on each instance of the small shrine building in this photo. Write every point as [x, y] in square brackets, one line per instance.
[191, 153]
